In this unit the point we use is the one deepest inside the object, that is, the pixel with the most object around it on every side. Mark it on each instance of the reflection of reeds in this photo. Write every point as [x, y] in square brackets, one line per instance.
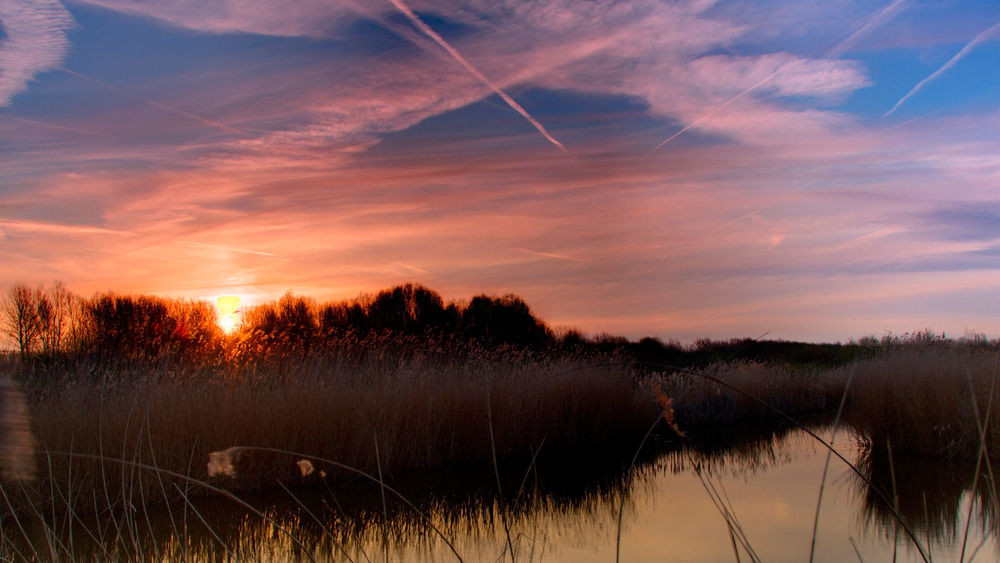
[933, 495]
[17, 445]
[347, 517]
[747, 449]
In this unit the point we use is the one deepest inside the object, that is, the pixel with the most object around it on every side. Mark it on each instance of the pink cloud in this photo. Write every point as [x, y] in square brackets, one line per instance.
[785, 220]
[648, 49]
[35, 42]
[21, 226]
[781, 73]
[269, 17]
[639, 247]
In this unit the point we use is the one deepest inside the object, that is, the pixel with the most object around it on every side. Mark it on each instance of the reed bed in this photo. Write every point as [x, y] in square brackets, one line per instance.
[138, 401]
[934, 400]
[388, 412]
[411, 414]
[722, 393]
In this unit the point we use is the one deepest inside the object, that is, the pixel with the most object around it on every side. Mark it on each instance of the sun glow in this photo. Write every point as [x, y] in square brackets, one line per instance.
[229, 311]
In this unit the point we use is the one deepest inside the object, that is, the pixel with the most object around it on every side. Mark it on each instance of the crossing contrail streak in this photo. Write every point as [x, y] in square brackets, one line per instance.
[717, 109]
[419, 23]
[55, 126]
[865, 27]
[952, 62]
[155, 103]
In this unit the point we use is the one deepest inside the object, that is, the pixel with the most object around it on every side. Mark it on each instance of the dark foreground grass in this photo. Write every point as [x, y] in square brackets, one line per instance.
[413, 415]
[110, 444]
[396, 413]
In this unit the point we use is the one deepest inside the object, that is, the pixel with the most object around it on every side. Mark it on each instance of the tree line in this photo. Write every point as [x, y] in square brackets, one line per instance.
[51, 322]
[51, 327]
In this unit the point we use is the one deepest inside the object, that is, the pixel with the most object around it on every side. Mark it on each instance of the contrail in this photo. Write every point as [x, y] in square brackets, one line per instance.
[954, 60]
[224, 247]
[550, 255]
[718, 108]
[409, 267]
[55, 126]
[475, 72]
[155, 103]
[868, 24]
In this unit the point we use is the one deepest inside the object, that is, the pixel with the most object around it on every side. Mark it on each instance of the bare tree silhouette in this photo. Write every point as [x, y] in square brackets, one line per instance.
[21, 319]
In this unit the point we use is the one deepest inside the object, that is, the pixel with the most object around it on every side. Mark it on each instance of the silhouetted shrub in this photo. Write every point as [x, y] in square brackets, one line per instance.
[288, 328]
[337, 319]
[410, 309]
[506, 319]
[146, 329]
[655, 353]
[125, 326]
[572, 340]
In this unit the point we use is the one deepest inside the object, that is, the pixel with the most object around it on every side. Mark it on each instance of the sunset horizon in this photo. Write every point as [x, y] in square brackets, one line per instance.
[492, 280]
[679, 170]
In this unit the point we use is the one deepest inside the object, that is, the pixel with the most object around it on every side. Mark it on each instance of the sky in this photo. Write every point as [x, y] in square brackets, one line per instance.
[807, 169]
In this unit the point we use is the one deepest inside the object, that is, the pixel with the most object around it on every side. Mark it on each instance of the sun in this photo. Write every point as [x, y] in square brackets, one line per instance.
[228, 308]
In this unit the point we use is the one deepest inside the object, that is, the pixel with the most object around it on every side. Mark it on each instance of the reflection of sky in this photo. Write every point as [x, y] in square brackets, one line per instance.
[195, 149]
[776, 508]
[674, 519]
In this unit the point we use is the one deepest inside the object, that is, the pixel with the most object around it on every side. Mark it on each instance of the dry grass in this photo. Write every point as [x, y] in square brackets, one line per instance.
[697, 400]
[918, 396]
[112, 443]
[423, 414]
[921, 400]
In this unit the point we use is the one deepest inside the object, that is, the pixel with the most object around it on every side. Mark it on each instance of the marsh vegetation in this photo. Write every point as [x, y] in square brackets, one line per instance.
[129, 397]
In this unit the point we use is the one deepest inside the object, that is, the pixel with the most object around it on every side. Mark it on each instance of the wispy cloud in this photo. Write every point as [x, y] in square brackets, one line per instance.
[555, 255]
[35, 42]
[981, 37]
[371, 157]
[274, 17]
[225, 248]
[55, 228]
[973, 221]
[651, 50]
[410, 268]
[801, 74]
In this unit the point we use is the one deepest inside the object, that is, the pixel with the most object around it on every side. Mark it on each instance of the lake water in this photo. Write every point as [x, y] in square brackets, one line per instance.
[756, 494]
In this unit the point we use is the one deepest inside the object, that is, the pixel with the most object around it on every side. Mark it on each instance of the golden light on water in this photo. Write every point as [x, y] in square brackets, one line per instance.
[229, 310]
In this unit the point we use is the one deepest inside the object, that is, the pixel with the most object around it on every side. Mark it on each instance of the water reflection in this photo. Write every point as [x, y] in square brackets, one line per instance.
[734, 450]
[354, 520]
[933, 496]
[567, 510]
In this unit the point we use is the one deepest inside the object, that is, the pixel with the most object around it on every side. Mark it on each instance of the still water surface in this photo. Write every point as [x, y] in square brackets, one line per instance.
[679, 505]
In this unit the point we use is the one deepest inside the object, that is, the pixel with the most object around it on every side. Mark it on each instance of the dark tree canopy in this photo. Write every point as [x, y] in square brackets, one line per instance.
[505, 319]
